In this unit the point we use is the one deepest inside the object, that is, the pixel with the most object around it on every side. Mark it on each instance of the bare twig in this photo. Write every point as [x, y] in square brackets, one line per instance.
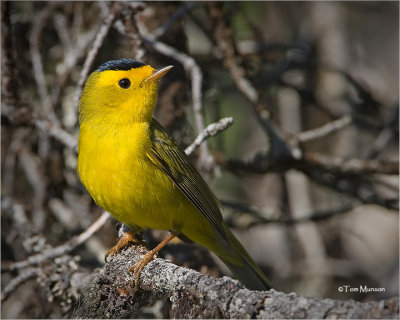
[339, 174]
[46, 105]
[210, 131]
[331, 164]
[34, 175]
[58, 133]
[74, 50]
[258, 217]
[130, 28]
[11, 157]
[177, 14]
[193, 69]
[28, 118]
[17, 213]
[297, 185]
[385, 135]
[61, 27]
[324, 130]
[350, 166]
[60, 250]
[37, 61]
[63, 213]
[25, 275]
[98, 42]
[224, 38]
[352, 185]
[8, 66]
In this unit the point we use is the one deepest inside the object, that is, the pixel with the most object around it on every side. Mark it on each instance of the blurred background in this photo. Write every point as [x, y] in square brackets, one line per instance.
[307, 173]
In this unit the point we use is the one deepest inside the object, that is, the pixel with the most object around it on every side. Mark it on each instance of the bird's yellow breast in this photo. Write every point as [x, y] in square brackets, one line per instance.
[120, 177]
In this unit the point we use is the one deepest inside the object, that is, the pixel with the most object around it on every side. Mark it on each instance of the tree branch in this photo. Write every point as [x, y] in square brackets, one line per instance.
[210, 131]
[24, 117]
[60, 250]
[110, 293]
[324, 130]
[223, 36]
[114, 9]
[350, 166]
[193, 70]
[257, 216]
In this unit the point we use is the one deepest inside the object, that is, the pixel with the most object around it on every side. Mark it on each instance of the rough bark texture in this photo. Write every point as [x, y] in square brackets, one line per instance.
[109, 293]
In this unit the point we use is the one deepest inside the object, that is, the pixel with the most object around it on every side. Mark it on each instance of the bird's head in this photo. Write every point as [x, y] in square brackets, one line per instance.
[120, 92]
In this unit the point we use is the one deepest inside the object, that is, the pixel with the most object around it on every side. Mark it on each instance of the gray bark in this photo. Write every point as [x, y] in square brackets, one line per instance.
[109, 293]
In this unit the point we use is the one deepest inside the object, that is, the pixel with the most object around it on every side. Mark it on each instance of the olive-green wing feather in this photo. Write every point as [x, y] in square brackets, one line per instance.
[172, 160]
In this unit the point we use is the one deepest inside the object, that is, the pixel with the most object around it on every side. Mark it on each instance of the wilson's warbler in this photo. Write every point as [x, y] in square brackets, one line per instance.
[138, 173]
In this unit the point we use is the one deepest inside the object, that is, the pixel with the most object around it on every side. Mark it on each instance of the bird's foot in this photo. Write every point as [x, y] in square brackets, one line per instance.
[138, 266]
[127, 238]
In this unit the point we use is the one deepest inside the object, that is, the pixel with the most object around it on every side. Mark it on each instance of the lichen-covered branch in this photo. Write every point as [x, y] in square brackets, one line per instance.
[110, 293]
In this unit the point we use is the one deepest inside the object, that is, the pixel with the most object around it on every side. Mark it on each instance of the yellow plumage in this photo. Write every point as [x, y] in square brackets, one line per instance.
[138, 173]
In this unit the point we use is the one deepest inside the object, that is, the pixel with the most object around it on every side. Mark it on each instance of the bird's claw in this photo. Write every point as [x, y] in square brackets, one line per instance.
[127, 238]
[138, 266]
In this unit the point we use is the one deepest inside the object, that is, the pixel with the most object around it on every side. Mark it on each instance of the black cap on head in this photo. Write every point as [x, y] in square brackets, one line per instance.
[120, 64]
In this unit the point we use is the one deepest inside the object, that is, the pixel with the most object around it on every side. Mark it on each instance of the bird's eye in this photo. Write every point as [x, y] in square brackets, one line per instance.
[124, 83]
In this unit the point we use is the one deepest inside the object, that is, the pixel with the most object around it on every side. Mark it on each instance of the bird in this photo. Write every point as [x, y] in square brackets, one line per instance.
[137, 172]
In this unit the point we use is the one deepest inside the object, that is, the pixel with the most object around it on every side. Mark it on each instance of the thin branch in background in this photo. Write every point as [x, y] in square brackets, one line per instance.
[385, 135]
[33, 172]
[37, 62]
[8, 66]
[160, 31]
[60, 250]
[391, 185]
[27, 118]
[309, 97]
[10, 158]
[114, 9]
[350, 166]
[62, 28]
[46, 106]
[131, 30]
[64, 214]
[351, 186]
[210, 131]
[337, 165]
[73, 52]
[260, 218]
[299, 201]
[193, 69]
[223, 36]
[58, 133]
[326, 129]
[17, 212]
[24, 276]
[368, 105]
[339, 174]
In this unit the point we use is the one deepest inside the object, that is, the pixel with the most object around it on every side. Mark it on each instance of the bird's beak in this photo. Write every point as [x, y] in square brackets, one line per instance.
[157, 74]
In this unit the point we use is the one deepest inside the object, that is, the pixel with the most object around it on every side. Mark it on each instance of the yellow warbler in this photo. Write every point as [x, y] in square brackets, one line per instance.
[138, 173]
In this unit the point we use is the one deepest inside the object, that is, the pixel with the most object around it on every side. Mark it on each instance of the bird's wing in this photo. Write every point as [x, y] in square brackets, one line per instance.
[172, 160]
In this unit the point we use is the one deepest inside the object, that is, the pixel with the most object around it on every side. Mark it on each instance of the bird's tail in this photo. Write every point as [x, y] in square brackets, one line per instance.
[243, 266]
